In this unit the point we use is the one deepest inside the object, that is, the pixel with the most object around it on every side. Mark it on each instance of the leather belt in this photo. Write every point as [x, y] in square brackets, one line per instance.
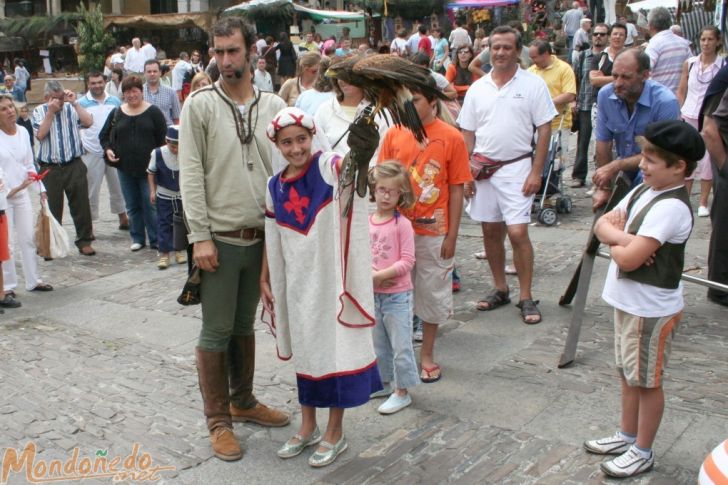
[248, 234]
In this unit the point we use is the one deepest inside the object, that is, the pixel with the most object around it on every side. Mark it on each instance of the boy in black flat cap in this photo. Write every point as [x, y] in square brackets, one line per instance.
[647, 232]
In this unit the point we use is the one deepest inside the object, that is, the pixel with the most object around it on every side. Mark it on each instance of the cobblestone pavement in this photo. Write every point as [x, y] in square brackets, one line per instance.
[106, 361]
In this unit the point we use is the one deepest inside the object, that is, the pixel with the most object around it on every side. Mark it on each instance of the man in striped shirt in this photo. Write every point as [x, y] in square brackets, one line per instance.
[668, 52]
[56, 124]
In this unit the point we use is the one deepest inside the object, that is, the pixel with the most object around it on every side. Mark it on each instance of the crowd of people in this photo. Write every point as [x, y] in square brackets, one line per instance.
[249, 183]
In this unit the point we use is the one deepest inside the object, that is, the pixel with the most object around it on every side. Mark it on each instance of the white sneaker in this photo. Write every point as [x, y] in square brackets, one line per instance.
[703, 211]
[136, 246]
[417, 335]
[628, 464]
[614, 445]
[395, 403]
[383, 393]
[591, 191]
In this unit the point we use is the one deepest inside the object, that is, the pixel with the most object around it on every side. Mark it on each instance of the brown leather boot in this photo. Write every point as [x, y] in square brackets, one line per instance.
[213, 377]
[243, 405]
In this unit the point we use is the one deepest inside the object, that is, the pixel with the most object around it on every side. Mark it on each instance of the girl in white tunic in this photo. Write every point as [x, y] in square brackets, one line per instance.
[316, 283]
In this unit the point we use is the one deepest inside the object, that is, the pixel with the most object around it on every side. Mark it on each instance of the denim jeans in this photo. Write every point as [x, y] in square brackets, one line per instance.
[142, 214]
[569, 48]
[393, 339]
[166, 210]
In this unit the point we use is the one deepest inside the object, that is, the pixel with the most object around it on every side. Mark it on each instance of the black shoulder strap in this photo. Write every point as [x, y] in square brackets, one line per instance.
[579, 75]
[679, 193]
[636, 195]
[117, 115]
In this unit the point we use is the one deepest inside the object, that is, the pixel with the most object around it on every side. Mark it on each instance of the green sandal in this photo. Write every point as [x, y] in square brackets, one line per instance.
[494, 300]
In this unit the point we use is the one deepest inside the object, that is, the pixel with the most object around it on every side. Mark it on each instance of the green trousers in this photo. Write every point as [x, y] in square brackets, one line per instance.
[230, 295]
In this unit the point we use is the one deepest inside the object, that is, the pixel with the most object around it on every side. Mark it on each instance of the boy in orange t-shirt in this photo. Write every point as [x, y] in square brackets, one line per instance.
[438, 172]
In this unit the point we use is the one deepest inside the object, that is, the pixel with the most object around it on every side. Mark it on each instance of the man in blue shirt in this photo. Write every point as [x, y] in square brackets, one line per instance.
[11, 88]
[626, 106]
[100, 105]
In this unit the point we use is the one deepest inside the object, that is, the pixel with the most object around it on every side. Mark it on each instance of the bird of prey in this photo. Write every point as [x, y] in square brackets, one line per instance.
[387, 82]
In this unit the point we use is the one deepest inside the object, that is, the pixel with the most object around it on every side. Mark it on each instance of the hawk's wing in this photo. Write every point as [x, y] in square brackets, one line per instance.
[397, 72]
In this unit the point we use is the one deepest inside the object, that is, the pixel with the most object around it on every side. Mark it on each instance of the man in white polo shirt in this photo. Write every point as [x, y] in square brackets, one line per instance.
[100, 104]
[497, 120]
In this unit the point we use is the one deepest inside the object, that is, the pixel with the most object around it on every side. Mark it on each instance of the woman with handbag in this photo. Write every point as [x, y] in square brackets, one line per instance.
[287, 59]
[441, 51]
[128, 138]
[16, 162]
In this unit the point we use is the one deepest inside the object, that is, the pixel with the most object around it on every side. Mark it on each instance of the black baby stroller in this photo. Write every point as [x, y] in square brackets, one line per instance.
[552, 201]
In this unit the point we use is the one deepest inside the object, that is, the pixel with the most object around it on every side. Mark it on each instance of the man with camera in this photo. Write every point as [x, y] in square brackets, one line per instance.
[57, 124]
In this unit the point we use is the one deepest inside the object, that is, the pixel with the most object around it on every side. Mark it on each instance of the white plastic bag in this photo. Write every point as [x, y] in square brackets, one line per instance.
[51, 239]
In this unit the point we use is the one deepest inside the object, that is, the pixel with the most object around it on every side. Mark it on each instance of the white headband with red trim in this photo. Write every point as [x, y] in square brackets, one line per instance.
[288, 117]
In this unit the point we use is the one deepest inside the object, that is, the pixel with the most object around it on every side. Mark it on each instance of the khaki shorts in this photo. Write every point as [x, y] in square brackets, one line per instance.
[642, 347]
[432, 279]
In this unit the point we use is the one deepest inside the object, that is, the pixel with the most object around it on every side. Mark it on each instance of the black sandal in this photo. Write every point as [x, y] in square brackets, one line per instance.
[494, 300]
[42, 287]
[529, 309]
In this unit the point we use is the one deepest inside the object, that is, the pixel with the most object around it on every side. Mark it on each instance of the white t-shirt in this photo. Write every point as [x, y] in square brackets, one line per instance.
[413, 43]
[16, 158]
[670, 221]
[263, 81]
[503, 119]
[459, 37]
[261, 45]
[632, 34]
[398, 46]
[440, 81]
[149, 52]
[181, 68]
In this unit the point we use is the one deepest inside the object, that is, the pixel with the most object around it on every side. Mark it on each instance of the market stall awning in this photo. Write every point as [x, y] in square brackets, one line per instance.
[313, 13]
[329, 14]
[162, 20]
[11, 44]
[650, 4]
[480, 3]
